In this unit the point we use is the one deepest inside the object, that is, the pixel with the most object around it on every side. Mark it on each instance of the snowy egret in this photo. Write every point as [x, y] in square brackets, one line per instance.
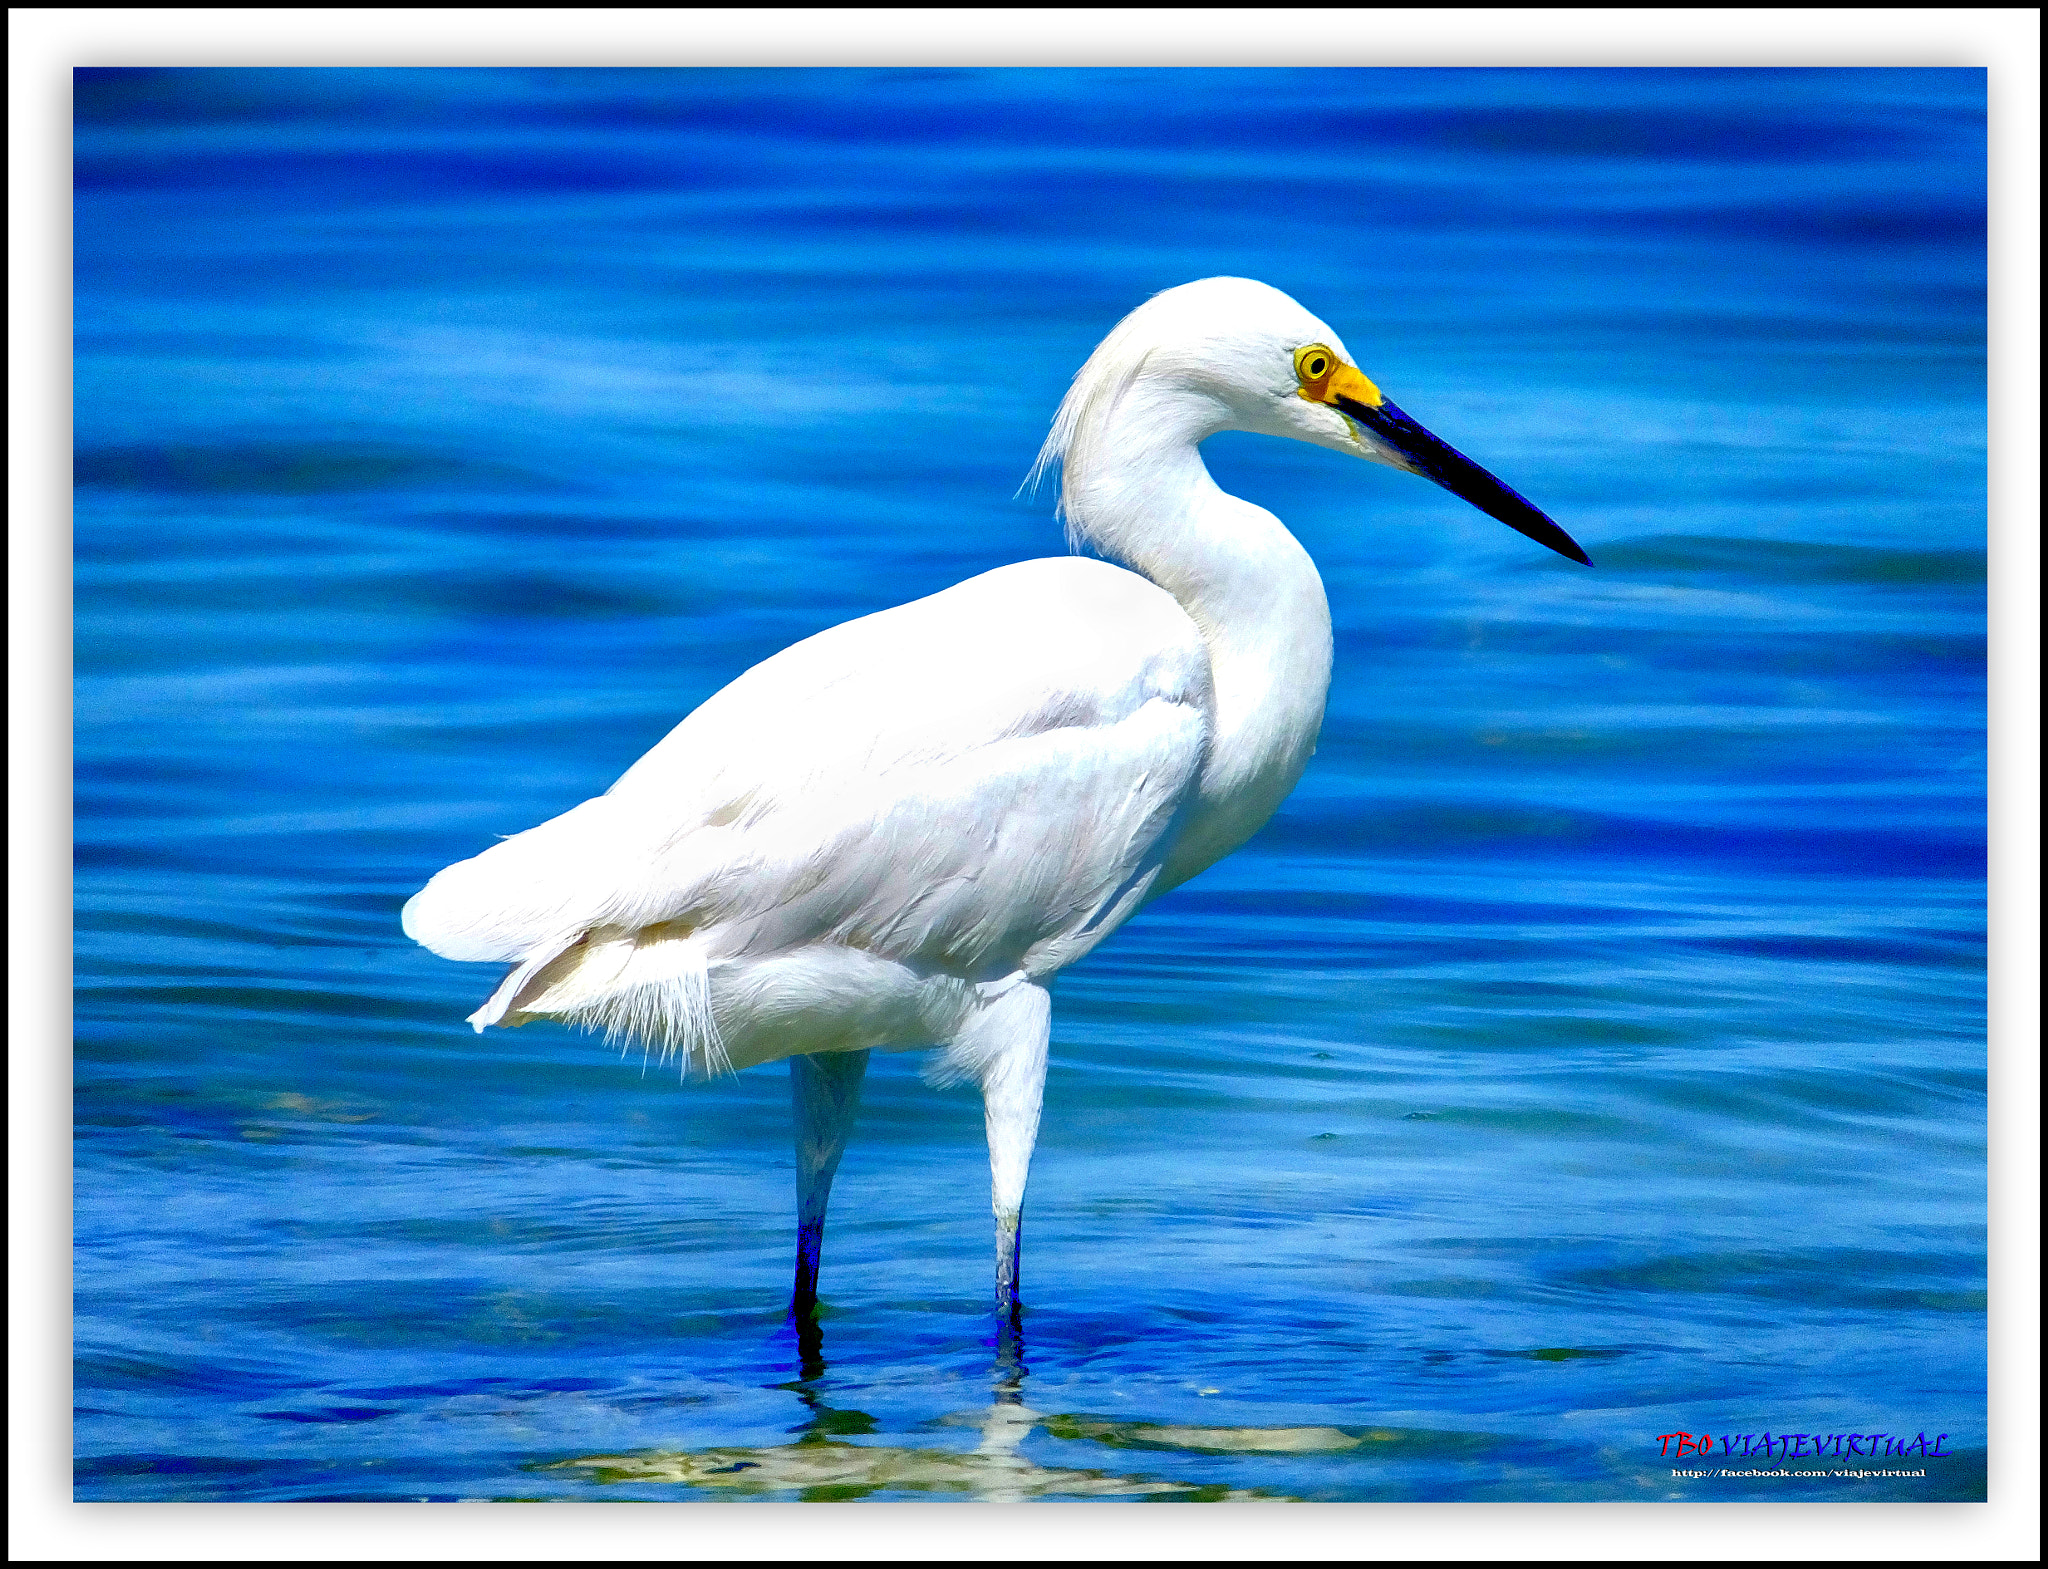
[897, 832]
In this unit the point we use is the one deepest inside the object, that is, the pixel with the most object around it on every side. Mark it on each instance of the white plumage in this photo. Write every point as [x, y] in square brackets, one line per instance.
[895, 833]
[887, 810]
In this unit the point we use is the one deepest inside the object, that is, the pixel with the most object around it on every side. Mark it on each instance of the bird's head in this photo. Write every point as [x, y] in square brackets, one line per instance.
[1235, 354]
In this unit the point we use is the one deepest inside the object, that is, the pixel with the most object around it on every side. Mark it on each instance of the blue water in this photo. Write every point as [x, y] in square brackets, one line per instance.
[1591, 1049]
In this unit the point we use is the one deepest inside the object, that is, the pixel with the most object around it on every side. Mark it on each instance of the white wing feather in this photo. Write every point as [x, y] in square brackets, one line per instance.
[973, 784]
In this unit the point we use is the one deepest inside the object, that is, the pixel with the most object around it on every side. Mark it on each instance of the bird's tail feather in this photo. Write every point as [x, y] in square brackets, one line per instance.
[650, 987]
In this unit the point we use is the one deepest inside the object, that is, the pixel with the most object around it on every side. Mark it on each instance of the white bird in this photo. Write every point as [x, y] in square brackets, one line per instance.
[896, 833]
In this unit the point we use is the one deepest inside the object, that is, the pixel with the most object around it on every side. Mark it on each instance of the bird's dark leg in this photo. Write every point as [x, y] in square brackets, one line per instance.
[1009, 1380]
[824, 1092]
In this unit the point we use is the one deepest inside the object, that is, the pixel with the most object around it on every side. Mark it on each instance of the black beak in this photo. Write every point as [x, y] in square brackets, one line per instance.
[1458, 474]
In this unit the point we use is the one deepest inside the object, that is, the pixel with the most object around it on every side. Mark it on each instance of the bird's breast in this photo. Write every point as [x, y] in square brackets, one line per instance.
[1270, 679]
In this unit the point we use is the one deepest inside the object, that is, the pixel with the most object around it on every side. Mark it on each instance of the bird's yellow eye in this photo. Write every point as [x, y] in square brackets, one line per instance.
[1313, 363]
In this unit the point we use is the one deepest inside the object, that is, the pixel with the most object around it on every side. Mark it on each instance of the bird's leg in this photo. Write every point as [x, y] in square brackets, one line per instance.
[1009, 1039]
[824, 1092]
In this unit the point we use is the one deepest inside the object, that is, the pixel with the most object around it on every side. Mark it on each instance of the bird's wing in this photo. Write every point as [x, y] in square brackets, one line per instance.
[978, 782]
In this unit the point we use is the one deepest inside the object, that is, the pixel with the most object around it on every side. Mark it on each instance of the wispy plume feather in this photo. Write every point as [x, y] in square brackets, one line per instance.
[1097, 387]
[672, 1015]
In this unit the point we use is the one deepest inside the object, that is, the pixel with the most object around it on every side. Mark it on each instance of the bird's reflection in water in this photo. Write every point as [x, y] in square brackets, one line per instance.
[823, 1423]
[827, 1463]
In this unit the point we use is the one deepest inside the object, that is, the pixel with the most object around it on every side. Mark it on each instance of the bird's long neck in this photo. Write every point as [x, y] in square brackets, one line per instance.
[1135, 488]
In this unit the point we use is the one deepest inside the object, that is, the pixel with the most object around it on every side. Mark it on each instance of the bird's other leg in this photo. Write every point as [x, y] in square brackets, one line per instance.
[824, 1093]
[1008, 1040]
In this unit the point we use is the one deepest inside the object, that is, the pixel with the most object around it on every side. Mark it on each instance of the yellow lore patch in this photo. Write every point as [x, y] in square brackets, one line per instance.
[1324, 378]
